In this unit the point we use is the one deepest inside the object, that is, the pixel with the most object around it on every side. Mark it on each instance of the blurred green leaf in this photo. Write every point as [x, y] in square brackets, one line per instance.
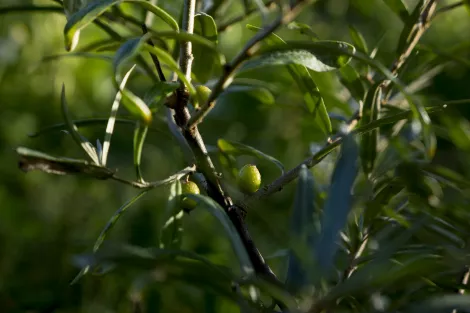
[136, 106]
[172, 231]
[303, 29]
[159, 92]
[204, 61]
[358, 40]
[261, 94]
[88, 14]
[338, 204]
[302, 228]
[352, 81]
[369, 140]
[235, 148]
[399, 8]
[216, 211]
[73, 131]
[140, 133]
[442, 303]
[307, 86]
[34, 160]
[319, 56]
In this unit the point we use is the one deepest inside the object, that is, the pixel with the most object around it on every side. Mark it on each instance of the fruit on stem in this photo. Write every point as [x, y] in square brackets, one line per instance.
[249, 179]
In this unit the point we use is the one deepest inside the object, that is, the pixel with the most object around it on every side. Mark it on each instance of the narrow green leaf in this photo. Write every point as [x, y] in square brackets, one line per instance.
[312, 96]
[261, 94]
[237, 244]
[303, 29]
[88, 14]
[112, 119]
[159, 92]
[79, 139]
[172, 231]
[235, 148]
[34, 160]
[369, 140]
[126, 52]
[338, 204]
[442, 303]
[203, 65]
[303, 229]
[140, 133]
[319, 56]
[168, 60]
[409, 28]
[136, 106]
[399, 8]
[113, 220]
[352, 81]
[32, 9]
[358, 39]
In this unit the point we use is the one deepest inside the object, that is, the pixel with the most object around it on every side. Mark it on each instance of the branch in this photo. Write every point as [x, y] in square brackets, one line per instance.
[250, 48]
[310, 162]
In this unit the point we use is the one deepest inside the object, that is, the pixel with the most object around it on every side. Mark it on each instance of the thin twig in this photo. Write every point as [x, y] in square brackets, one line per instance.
[155, 60]
[448, 8]
[289, 176]
[250, 48]
[150, 185]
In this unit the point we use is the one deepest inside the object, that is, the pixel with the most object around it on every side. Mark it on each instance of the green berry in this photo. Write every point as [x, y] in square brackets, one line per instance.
[249, 179]
[189, 188]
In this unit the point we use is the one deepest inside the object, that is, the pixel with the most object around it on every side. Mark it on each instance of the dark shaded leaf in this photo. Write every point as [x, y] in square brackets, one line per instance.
[140, 133]
[204, 62]
[353, 82]
[338, 204]
[235, 148]
[399, 8]
[172, 231]
[216, 211]
[369, 140]
[261, 94]
[302, 228]
[358, 39]
[34, 160]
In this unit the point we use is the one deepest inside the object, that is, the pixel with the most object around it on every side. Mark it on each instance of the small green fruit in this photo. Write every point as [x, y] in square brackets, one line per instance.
[189, 188]
[249, 179]
[203, 93]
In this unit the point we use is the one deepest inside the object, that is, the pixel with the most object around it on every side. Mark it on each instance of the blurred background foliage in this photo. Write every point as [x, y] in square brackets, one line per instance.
[45, 220]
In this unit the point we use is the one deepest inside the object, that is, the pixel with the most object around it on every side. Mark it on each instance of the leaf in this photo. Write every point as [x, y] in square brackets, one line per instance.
[302, 228]
[88, 14]
[113, 220]
[369, 140]
[352, 81]
[338, 204]
[140, 133]
[358, 39]
[127, 51]
[203, 65]
[399, 8]
[307, 86]
[34, 160]
[158, 93]
[303, 29]
[319, 56]
[79, 139]
[112, 119]
[442, 303]
[216, 211]
[261, 94]
[168, 60]
[172, 231]
[235, 148]
[136, 106]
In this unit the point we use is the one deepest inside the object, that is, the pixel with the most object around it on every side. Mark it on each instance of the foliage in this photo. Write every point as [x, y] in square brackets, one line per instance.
[360, 134]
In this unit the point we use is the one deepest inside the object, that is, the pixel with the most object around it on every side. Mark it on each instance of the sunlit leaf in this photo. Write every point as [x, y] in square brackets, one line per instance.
[319, 56]
[79, 139]
[88, 14]
[136, 106]
[235, 148]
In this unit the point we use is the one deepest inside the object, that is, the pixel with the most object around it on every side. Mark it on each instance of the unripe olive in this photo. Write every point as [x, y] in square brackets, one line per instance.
[249, 179]
[189, 187]
[203, 93]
